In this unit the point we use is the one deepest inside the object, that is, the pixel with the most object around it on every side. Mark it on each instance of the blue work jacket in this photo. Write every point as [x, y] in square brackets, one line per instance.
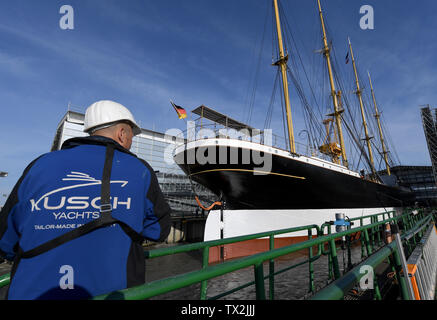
[58, 192]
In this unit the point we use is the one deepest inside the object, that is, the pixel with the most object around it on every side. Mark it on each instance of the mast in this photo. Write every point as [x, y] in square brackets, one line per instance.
[282, 63]
[358, 92]
[377, 116]
[337, 111]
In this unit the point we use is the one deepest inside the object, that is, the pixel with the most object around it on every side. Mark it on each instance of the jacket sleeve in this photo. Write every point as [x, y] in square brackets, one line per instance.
[157, 220]
[9, 235]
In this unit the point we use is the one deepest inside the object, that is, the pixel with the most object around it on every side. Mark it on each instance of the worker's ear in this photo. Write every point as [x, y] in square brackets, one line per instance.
[118, 134]
[124, 137]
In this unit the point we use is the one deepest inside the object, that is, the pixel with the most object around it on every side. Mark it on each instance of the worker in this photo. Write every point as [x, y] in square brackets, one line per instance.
[75, 221]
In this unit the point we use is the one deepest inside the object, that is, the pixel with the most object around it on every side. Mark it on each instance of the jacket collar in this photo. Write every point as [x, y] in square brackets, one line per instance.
[93, 140]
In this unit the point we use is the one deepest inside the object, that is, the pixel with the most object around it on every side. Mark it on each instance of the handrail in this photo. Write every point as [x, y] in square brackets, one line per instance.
[214, 243]
[166, 285]
[149, 254]
[211, 271]
[5, 280]
[205, 246]
[337, 289]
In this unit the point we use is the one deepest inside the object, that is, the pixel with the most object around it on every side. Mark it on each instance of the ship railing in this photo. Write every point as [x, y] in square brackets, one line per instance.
[266, 138]
[413, 225]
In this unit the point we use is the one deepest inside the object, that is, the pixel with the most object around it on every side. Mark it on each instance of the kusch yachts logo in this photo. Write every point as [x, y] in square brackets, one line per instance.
[78, 202]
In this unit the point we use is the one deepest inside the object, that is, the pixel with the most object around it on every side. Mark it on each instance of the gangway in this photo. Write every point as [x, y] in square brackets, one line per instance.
[419, 244]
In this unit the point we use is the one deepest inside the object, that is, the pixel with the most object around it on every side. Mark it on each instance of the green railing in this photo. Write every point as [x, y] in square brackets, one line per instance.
[206, 246]
[337, 289]
[256, 261]
[369, 236]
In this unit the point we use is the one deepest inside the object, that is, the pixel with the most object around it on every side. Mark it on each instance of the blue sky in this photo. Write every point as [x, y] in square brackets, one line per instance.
[144, 53]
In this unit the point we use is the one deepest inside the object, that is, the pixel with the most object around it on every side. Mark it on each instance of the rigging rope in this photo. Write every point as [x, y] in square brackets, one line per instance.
[268, 120]
[312, 123]
[313, 112]
[256, 76]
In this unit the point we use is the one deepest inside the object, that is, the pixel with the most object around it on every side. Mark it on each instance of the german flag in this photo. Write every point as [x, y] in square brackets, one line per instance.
[179, 110]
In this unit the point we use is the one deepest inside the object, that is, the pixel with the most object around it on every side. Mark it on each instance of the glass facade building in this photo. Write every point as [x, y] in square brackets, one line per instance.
[421, 180]
[156, 148]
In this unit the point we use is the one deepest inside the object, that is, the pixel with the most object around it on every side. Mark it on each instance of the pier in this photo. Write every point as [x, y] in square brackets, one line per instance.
[363, 262]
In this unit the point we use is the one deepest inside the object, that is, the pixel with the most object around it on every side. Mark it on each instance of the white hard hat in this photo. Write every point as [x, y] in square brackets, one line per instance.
[105, 113]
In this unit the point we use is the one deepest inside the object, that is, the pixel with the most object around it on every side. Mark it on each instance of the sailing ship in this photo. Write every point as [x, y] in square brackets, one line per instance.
[252, 171]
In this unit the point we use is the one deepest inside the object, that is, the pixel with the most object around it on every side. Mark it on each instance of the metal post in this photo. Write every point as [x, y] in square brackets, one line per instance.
[367, 242]
[349, 253]
[334, 259]
[204, 284]
[330, 260]
[310, 263]
[372, 230]
[377, 294]
[330, 273]
[272, 271]
[222, 248]
[401, 280]
[327, 252]
[400, 249]
[259, 281]
[378, 228]
[362, 239]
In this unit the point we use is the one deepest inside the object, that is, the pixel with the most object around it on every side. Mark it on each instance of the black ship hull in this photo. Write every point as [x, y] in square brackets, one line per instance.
[292, 182]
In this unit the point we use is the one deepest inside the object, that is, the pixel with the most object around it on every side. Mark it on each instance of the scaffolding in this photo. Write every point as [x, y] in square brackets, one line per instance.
[429, 128]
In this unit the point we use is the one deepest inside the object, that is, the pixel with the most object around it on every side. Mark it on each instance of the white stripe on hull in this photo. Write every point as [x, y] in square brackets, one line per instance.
[244, 222]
